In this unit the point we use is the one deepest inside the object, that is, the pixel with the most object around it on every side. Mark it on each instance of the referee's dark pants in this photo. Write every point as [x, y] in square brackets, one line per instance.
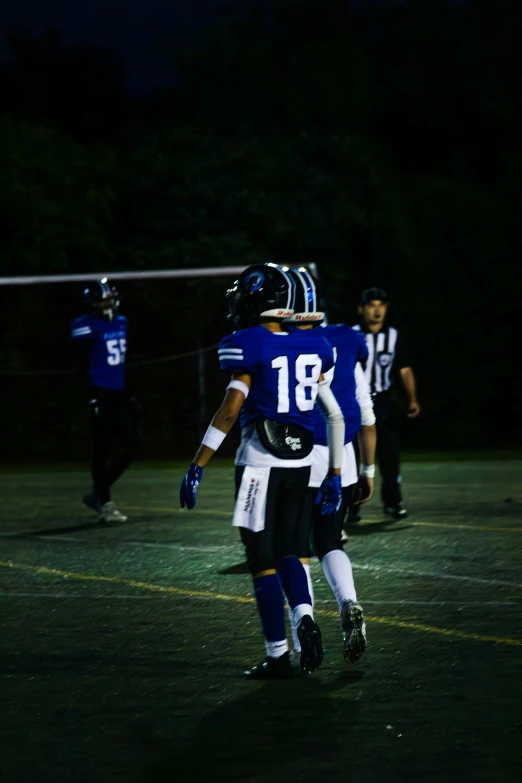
[388, 448]
[115, 418]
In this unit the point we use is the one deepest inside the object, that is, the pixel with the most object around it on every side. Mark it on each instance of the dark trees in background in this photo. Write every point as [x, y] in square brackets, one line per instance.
[382, 144]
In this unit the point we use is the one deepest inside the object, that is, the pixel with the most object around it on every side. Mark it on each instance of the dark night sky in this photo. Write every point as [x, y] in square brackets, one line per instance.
[128, 26]
[131, 27]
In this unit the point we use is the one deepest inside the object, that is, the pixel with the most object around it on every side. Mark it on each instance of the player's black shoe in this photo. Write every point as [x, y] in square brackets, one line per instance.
[354, 629]
[311, 645]
[272, 669]
[91, 500]
[397, 512]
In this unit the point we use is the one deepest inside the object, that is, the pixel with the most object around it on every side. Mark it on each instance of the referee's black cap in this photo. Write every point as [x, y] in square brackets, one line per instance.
[374, 293]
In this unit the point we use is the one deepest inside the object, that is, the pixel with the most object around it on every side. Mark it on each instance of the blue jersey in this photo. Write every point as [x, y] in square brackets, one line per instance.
[348, 348]
[284, 368]
[109, 346]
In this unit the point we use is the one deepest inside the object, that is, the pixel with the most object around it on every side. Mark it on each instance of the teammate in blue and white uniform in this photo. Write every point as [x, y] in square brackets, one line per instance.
[276, 379]
[351, 390]
[100, 342]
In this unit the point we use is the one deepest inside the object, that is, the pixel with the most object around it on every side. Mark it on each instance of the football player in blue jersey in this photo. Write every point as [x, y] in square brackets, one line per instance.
[351, 390]
[276, 379]
[100, 341]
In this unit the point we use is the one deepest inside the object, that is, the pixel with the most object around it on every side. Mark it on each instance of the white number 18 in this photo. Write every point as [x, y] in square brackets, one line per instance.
[304, 381]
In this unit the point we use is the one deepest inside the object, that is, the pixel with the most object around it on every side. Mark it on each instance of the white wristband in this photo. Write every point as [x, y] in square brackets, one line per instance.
[240, 386]
[368, 417]
[368, 471]
[213, 438]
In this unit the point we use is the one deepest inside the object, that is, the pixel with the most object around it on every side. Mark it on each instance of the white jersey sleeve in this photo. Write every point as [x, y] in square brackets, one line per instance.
[364, 398]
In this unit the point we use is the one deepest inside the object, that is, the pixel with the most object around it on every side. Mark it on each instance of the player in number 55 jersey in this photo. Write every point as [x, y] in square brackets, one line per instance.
[100, 341]
[276, 379]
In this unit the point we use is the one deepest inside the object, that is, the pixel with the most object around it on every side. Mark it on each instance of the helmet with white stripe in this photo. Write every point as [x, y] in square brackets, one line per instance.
[101, 299]
[262, 291]
[310, 300]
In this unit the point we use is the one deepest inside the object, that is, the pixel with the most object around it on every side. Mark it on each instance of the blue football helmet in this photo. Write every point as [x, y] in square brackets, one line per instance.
[310, 299]
[262, 291]
[101, 299]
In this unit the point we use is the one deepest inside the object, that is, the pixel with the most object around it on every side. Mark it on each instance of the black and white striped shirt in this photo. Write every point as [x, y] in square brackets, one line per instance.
[386, 356]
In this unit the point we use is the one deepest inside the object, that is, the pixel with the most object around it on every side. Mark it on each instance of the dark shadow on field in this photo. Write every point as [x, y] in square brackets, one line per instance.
[60, 531]
[291, 730]
[40, 665]
[57, 531]
[237, 568]
[354, 529]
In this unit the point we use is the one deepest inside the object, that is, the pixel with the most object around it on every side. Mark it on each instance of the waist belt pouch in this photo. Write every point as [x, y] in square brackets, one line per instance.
[285, 441]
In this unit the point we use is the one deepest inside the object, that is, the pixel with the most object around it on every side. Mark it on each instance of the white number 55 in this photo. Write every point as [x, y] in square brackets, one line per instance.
[116, 350]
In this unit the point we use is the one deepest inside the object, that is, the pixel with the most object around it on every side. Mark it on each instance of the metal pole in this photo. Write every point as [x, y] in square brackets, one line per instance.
[153, 274]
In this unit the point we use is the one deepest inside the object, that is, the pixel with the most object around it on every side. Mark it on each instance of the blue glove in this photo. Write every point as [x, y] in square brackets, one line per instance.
[329, 495]
[189, 486]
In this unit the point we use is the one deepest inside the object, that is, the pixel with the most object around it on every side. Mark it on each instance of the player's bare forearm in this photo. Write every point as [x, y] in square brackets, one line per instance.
[408, 381]
[226, 415]
[367, 438]
[224, 419]
[202, 456]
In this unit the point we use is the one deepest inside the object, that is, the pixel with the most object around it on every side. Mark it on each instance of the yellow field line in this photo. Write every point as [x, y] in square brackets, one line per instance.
[122, 581]
[455, 634]
[477, 637]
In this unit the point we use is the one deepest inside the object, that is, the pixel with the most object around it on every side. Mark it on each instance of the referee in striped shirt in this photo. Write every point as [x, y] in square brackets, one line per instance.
[387, 366]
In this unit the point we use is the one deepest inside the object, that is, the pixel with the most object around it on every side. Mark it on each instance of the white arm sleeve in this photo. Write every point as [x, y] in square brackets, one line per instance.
[334, 423]
[364, 398]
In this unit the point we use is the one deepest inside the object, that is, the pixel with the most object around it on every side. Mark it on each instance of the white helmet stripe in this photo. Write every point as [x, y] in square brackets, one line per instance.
[310, 292]
[291, 289]
[309, 311]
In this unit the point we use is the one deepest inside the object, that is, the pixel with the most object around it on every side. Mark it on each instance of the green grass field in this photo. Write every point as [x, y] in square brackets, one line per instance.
[123, 646]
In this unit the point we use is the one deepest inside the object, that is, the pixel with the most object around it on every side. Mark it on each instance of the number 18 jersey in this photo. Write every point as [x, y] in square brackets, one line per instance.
[284, 368]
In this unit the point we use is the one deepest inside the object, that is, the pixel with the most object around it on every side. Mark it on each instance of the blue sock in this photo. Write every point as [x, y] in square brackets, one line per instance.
[294, 581]
[271, 606]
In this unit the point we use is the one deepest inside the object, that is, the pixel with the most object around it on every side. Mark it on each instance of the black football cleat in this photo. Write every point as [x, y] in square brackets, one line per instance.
[272, 669]
[354, 629]
[311, 645]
